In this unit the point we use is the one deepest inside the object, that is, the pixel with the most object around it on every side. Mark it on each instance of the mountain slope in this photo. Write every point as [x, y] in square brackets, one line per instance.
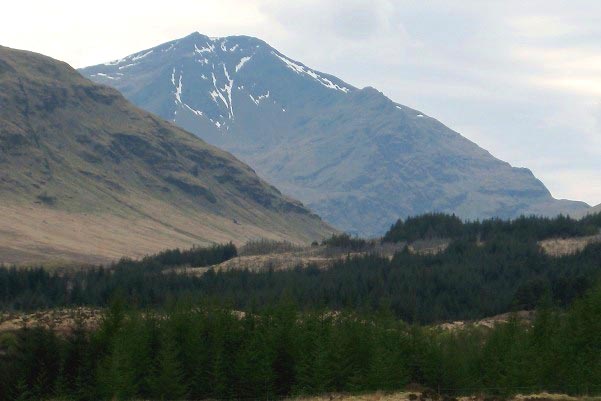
[84, 174]
[592, 210]
[354, 156]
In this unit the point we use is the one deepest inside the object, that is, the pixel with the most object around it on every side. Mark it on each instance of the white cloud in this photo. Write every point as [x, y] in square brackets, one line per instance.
[541, 26]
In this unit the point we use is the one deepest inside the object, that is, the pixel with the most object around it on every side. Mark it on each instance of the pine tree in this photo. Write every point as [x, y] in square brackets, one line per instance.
[167, 381]
[253, 367]
[388, 364]
[116, 376]
[22, 392]
[314, 368]
[543, 336]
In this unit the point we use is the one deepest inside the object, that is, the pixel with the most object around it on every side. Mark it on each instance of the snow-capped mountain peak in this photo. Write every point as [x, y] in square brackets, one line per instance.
[353, 155]
[211, 77]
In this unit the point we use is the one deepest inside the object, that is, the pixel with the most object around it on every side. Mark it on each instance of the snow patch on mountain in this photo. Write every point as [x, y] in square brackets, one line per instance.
[127, 66]
[178, 90]
[302, 70]
[243, 61]
[214, 94]
[208, 49]
[197, 112]
[101, 74]
[217, 93]
[133, 57]
[258, 99]
[141, 56]
[228, 89]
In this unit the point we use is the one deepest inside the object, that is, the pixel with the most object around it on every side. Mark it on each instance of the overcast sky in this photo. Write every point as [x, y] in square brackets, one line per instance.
[520, 78]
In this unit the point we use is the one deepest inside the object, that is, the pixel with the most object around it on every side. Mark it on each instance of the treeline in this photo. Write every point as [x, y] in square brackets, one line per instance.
[194, 257]
[266, 246]
[345, 241]
[209, 352]
[490, 267]
[467, 281]
[438, 225]
[142, 280]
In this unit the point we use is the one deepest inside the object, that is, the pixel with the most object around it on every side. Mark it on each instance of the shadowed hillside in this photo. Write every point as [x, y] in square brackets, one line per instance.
[85, 175]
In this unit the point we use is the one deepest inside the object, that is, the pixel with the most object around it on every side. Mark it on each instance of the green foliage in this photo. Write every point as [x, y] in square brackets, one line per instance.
[266, 246]
[167, 379]
[199, 352]
[467, 281]
[183, 350]
[427, 226]
[196, 257]
[346, 242]
[142, 282]
[438, 225]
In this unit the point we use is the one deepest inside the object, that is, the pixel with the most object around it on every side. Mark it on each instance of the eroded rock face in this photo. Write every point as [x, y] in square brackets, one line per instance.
[355, 157]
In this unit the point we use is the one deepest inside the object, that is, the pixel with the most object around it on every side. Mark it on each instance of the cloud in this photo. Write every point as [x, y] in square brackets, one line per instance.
[541, 26]
[353, 20]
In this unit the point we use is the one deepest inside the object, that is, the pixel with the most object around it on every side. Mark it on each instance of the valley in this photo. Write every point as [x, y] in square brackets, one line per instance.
[211, 219]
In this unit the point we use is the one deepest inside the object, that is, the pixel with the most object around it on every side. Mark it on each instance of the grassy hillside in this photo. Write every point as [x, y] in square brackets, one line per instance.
[86, 175]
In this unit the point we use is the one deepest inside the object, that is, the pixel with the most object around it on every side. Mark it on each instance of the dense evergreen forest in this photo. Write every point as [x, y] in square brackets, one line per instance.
[482, 273]
[351, 327]
[532, 228]
[200, 352]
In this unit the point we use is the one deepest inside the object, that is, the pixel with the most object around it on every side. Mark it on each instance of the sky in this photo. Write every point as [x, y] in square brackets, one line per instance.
[520, 78]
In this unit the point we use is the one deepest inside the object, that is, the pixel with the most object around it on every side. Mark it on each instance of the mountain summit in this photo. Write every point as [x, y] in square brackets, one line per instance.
[354, 156]
[84, 174]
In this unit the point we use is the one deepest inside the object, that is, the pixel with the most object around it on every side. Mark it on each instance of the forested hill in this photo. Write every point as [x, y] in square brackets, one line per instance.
[490, 267]
[204, 352]
[274, 334]
[438, 225]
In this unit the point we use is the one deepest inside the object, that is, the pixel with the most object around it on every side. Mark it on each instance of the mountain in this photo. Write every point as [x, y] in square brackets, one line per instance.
[354, 156]
[86, 175]
[592, 210]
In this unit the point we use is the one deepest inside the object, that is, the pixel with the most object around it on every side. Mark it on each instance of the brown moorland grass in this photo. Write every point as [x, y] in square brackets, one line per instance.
[567, 246]
[62, 320]
[33, 234]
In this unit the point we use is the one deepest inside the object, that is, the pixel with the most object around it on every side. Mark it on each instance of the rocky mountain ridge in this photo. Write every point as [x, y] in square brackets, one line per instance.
[355, 157]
